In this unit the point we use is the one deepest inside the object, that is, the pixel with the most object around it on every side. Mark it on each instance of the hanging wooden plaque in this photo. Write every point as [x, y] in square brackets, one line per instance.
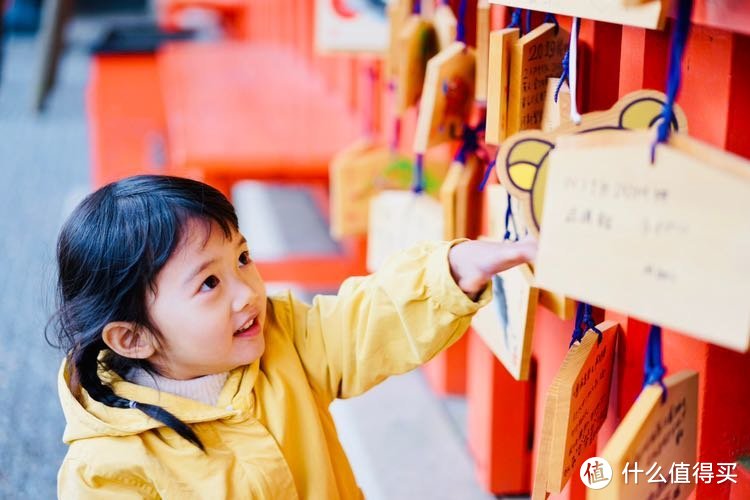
[497, 206]
[447, 96]
[653, 436]
[556, 113]
[648, 14]
[355, 176]
[399, 172]
[575, 409]
[398, 12]
[483, 50]
[445, 25]
[677, 231]
[498, 79]
[535, 57]
[398, 220]
[497, 201]
[417, 44]
[460, 198]
[523, 159]
[506, 325]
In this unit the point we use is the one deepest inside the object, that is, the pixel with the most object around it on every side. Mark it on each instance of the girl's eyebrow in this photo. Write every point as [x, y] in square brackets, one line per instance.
[208, 263]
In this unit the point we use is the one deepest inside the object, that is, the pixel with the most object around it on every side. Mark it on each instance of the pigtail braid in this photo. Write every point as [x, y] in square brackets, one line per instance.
[86, 364]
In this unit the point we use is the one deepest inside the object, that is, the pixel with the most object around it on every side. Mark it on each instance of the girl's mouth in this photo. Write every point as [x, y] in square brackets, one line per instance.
[251, 328]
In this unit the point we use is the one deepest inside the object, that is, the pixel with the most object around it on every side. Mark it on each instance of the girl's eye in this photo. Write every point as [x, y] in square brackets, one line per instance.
[210, 283]
[245, 258]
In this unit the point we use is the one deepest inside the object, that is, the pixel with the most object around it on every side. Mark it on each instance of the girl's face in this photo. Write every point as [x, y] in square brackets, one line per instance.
[207, 294]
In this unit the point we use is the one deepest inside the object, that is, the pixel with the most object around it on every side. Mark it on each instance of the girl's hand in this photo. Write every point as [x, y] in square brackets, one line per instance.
[473, 263]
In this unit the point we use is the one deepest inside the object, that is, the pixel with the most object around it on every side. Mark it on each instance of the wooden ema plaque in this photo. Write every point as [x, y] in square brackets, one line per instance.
[417, 44]
[459, 196]
[535, 57]
[647, 14]
[575, 409]
[483, 49]
[676, 231]
[356, 174]
[398, 12]
[447, 96]
[446, 25]
[497, 203]
[556, 113]
[398, 220]
[498, 79]
[506, 325]
[497, 200]
[523, 160]
[653, 436]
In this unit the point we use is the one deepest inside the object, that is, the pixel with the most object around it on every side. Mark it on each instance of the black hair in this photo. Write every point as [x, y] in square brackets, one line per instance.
[109, 253]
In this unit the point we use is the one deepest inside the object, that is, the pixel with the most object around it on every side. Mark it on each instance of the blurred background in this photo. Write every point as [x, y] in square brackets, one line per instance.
[80, 105]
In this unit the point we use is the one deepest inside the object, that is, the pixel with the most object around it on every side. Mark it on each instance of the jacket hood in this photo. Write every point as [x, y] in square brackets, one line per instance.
[88, 418]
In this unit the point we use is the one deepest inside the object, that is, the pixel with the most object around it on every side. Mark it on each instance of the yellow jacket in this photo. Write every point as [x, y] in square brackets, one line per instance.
[271, 435]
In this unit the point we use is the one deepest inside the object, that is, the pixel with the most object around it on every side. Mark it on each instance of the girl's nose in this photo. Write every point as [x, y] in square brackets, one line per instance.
[244, 295]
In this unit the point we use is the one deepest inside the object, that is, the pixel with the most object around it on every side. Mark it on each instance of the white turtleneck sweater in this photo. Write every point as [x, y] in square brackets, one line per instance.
[205, 389]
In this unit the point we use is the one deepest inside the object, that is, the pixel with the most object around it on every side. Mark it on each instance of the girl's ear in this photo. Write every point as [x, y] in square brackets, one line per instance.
[127, 340]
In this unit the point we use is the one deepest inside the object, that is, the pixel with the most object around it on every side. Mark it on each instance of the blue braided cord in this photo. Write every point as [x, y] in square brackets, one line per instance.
[515, 19]
[564, 74]
[419, 174]
[654, 369]
[578, 332]
[674, 73]
[460, 29]
[588, 321]
[487, 173]
[528, 22]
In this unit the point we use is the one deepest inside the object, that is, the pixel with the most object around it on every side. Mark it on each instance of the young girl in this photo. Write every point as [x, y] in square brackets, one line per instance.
[183, 380]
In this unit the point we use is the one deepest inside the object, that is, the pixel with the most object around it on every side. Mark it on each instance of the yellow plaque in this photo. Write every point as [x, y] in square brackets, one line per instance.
[498, 78]
[535, 57]
[667, 243]
[447, 97]
[576, 407]
[655, 437]
[506, 325]
[523, 159]
[417, 43]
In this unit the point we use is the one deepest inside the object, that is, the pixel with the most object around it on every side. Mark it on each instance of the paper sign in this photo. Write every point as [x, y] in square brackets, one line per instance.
[447, 96]
[417, 44]
[445, 25]
[506, 325]
[652, 437]
[522, 161]
[666, 243]
[358, 27]
[461, 200]
[399, 220]
[535, 57]
[498, 79]
[483, 48]
[576, 407]
[649, 14]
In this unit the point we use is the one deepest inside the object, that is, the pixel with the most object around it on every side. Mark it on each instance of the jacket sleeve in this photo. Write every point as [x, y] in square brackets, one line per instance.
[383, 324]
[79, 480]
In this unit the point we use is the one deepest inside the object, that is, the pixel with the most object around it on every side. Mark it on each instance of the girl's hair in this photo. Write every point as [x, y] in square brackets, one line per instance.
[109, 253]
